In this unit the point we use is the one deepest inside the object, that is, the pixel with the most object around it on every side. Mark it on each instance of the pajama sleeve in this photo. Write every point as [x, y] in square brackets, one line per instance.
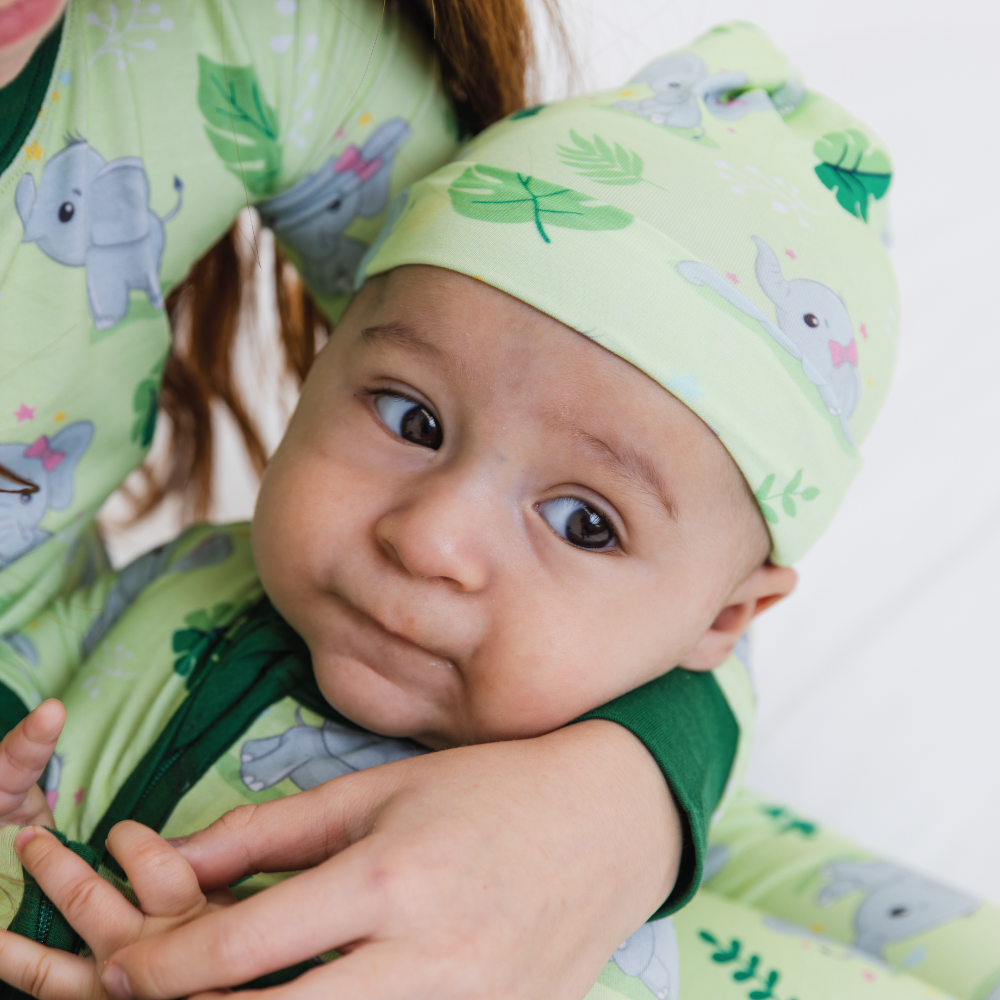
[684, 720]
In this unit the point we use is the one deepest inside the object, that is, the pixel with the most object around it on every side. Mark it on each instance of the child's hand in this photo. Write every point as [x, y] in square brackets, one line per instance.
[24, 752]
[164, 883]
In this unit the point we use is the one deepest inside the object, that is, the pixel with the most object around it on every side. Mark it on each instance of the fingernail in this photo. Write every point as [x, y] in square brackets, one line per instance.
[24, 837]
[177, 841]
[116, 982]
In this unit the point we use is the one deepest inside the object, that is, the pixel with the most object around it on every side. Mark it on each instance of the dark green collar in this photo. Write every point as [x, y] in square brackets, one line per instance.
[21, 99]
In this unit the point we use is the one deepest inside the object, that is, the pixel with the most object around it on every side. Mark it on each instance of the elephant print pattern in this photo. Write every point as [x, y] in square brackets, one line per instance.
[679, 80]
[897, 904]
[310, 755]
[813, 325]
[48, 465]
[90, 213]
[650, 954]
[311, 217]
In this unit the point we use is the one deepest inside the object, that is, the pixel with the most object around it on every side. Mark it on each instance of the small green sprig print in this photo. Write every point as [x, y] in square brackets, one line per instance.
[787, 496]
[748, 968]
[787, 822]
[604, 163]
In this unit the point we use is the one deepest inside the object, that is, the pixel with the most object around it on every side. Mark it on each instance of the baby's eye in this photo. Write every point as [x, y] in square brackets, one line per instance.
[410, 420]
[578, 523]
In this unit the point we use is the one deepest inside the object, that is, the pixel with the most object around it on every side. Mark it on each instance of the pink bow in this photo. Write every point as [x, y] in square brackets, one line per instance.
[40, 449]
[841, 354]
[352, 160]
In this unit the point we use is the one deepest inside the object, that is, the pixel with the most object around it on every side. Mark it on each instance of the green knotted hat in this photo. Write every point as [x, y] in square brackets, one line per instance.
[715, 224]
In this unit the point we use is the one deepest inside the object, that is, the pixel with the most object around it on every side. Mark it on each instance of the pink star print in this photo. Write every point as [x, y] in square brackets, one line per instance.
[24, 412]
[791, 253]
[729, 128]
[732, 277]
[79, 794]
[864, 332]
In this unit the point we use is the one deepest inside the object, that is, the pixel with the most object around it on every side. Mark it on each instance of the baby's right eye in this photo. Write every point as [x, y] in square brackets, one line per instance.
[410, 420]
[579, 523]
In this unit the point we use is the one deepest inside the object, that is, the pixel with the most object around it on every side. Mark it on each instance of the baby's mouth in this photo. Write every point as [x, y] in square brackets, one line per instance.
[348, 631]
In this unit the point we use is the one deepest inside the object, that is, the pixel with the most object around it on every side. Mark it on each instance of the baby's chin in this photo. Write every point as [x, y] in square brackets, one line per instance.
[363, 695]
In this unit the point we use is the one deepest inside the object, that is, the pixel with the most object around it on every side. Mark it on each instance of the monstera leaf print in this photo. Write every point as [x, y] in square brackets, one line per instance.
[852, 170]
[492, 194]
[240, 124]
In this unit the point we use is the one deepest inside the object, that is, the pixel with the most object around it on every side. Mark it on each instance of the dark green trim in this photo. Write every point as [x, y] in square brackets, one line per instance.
[12, 709]
[244, 669]
[686, 723]
[22, 98]
[38, 919]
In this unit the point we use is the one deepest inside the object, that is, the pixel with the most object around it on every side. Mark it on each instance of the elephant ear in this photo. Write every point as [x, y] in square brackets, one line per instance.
[118, 203]
[769, 275]
[687, 65]
[72, 441]
[24, 198]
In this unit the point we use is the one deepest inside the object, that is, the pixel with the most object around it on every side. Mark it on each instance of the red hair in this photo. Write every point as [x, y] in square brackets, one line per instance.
[486, 52]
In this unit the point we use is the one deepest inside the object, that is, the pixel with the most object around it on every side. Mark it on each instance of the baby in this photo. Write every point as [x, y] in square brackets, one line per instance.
[599, 388]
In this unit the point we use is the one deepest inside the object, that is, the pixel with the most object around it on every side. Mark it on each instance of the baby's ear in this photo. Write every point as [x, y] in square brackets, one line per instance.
[765, 586]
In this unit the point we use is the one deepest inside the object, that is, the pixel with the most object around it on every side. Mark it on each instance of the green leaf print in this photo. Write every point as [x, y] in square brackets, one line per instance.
[492, 194]
[195, 643]
[726, 955]
[146, 406]
[601, 162]
[763, 495]
[240, 124]
[852, 170]
[527, 112]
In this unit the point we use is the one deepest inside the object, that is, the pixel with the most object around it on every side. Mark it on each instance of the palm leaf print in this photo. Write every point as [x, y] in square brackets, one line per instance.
[601, 162]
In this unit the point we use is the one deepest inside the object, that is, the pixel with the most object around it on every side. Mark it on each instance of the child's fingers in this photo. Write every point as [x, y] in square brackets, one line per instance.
[26, 750]
[164, 883]
[45, 972]
[95, 909]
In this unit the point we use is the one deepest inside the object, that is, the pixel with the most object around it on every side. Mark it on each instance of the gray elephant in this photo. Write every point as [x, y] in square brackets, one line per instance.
[679, 80]
[311, 217]
[47, 466]
[813, 325]
[140, 573]
[899, 904]
[94, 214]
[310, 755]
[651, 954]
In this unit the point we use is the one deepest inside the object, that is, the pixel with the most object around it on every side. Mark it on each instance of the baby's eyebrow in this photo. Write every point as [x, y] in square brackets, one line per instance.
[398, 334]
[633, 466]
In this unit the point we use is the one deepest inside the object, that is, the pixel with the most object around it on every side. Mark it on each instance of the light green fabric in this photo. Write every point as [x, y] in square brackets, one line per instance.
[160, 122]
[714, 224]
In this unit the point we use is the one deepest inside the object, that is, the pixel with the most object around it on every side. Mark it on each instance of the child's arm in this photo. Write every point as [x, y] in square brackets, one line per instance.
[436, 870]
[163, 882]
[24, 753]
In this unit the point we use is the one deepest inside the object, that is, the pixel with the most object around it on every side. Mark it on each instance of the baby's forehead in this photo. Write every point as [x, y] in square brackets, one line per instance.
[542, 380]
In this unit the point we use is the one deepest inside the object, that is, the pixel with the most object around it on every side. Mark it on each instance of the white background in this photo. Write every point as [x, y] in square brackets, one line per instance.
[879, 680]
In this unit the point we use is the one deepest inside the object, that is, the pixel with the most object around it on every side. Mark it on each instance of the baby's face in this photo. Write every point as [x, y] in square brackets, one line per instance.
[483, 524]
